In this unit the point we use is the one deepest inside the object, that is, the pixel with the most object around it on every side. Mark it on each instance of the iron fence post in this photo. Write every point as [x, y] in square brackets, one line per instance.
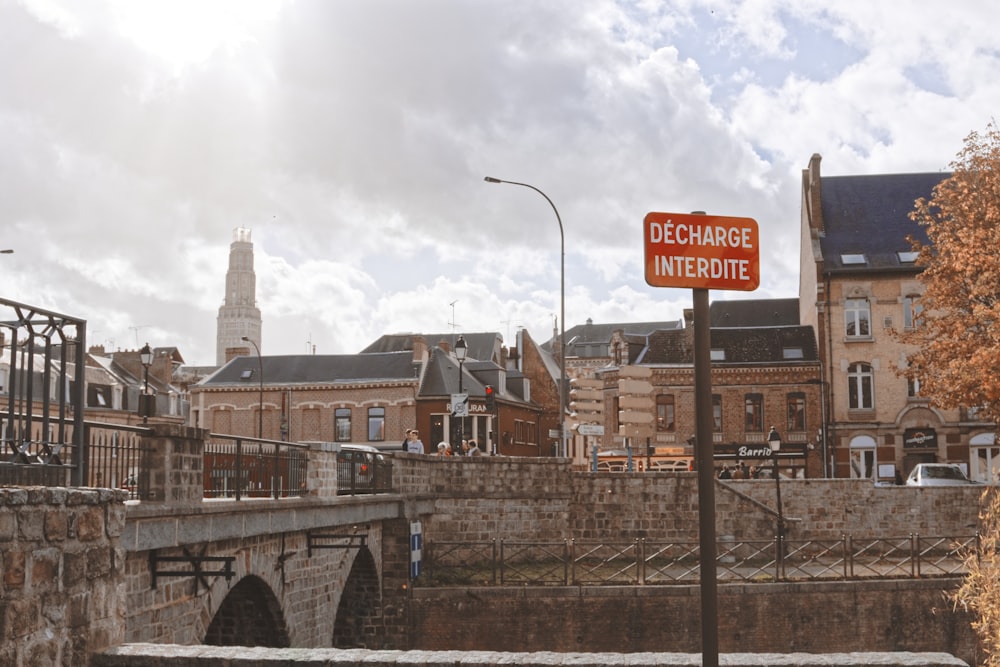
[501, 561]
[914, 555]
[493, 562]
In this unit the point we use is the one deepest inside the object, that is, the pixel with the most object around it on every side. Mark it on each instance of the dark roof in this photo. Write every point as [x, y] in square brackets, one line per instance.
[601, 333]
[479, 345]
[754, 313]
[741, 346]
[869, 215]
[316, 369]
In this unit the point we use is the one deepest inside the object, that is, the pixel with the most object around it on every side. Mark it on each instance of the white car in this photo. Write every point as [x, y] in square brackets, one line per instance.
[938, 474]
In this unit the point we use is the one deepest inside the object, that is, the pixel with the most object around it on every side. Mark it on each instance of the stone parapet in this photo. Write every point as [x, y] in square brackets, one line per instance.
[208, 656]
[61, 562]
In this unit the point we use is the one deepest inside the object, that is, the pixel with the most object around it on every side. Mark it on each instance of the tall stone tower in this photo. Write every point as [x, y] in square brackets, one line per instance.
[238, 315]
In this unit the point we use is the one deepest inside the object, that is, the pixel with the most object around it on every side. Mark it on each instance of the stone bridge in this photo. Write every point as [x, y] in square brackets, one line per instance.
[87, 574]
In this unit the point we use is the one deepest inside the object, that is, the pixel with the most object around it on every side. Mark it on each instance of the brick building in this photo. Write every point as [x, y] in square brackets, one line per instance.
[859, 283]
[765, 372]
[397, 382]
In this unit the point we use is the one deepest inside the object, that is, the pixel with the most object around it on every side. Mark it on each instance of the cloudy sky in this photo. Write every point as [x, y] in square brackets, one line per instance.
[352, 138]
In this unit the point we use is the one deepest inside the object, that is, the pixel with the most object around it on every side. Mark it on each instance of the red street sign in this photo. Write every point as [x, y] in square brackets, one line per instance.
[701, 251]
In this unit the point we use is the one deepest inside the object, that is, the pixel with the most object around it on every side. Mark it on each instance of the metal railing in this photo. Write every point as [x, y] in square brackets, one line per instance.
[361, 471]
[238, 467]
[114, 455]
[502, 562]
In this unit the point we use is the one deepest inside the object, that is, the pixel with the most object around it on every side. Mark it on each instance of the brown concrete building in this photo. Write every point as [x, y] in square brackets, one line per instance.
[858, 283]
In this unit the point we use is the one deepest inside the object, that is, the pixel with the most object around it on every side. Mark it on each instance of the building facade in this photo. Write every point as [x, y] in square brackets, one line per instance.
[858, 285]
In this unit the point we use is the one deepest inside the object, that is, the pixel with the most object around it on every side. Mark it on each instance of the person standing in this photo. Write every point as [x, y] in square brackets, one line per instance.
[413, 444]
[472, 448]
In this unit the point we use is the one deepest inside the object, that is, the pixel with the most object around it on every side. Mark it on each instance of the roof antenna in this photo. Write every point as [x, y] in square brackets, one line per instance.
[452, 324]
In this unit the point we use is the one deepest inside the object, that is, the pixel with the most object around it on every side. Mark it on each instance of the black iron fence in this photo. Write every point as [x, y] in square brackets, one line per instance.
[238, 467]
[503, 562]
[104, 456]
[363, 471]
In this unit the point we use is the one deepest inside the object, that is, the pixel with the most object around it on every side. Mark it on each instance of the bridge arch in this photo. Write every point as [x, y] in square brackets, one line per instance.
[357, 619]
[250, 615]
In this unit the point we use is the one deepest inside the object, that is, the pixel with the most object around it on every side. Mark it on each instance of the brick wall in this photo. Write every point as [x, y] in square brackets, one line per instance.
[817, 618]
[61, 564]
[486, 497]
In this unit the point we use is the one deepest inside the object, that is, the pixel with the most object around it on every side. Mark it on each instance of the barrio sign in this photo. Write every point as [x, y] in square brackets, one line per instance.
[701, 251]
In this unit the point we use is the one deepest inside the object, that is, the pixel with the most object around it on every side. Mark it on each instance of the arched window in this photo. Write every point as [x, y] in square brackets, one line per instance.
[860, 387]
[863, 457]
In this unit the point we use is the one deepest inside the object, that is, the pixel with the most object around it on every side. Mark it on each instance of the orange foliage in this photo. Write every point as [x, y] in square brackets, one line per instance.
[957, 340]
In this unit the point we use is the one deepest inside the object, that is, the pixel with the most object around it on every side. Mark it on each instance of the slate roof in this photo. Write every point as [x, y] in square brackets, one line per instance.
[754, 313]
[752, 345]
[315, 369]
[581, 334]
[869, 215]
[480, 345]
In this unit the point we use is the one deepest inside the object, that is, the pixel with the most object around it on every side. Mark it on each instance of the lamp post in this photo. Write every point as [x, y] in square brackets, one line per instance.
[774, 442]
[146, 359]
[461, 349]
[562, 311]
[260, 381]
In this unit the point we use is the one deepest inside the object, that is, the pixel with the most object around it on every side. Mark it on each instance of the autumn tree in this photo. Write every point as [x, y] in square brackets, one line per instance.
[956, 336]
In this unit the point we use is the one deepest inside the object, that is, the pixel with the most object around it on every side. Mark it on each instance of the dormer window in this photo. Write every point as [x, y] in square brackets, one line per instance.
[246, 374]
[908, 257]
[792, 353]
[718, 355]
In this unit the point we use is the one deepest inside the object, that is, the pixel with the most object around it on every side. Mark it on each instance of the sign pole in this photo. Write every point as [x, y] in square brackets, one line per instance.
[706, 479]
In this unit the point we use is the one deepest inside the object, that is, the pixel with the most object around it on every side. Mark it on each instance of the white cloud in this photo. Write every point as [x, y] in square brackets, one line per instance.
[353, 139]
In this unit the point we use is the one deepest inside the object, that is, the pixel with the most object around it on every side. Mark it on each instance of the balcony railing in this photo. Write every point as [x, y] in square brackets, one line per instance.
[503, 562]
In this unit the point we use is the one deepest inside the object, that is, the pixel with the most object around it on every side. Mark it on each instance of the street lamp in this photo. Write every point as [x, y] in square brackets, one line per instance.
[260, 380]
[562, 310]
[461, 349]
[774, 442]
[146, 359]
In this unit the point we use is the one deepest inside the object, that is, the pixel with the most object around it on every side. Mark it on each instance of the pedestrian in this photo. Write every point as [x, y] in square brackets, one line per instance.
[738, 472]
[472, 448]
[725, 474]
[413, 444]
[443, 449]
[406, 440]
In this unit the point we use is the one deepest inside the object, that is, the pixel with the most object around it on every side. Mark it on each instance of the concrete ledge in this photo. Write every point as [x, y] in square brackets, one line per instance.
[158, 655]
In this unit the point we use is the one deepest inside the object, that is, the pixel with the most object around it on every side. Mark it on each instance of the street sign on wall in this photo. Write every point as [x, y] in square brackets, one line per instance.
[701, 251]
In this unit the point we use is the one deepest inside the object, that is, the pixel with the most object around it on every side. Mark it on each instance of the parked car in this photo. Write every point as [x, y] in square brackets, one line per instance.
[938, 474]
[362, 469]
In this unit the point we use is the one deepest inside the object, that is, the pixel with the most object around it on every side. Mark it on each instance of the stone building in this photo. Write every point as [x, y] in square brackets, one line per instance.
[858, 284]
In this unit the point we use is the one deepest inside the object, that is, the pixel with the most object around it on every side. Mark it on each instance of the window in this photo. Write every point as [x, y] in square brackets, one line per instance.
[717, 355]
[98, 396]
[618, 353]
[376, 424]
[853, 259]
[665, 412]
[913, 387]
[754, 404]
[857, 318]
[792, 353]
[796, 403]
[907, 257]
[859, 387]
[911, 312]
[717, 413]
[342, 424]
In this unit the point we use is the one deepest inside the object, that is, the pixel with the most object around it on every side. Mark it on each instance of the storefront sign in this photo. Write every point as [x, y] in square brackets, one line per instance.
[920, 438]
